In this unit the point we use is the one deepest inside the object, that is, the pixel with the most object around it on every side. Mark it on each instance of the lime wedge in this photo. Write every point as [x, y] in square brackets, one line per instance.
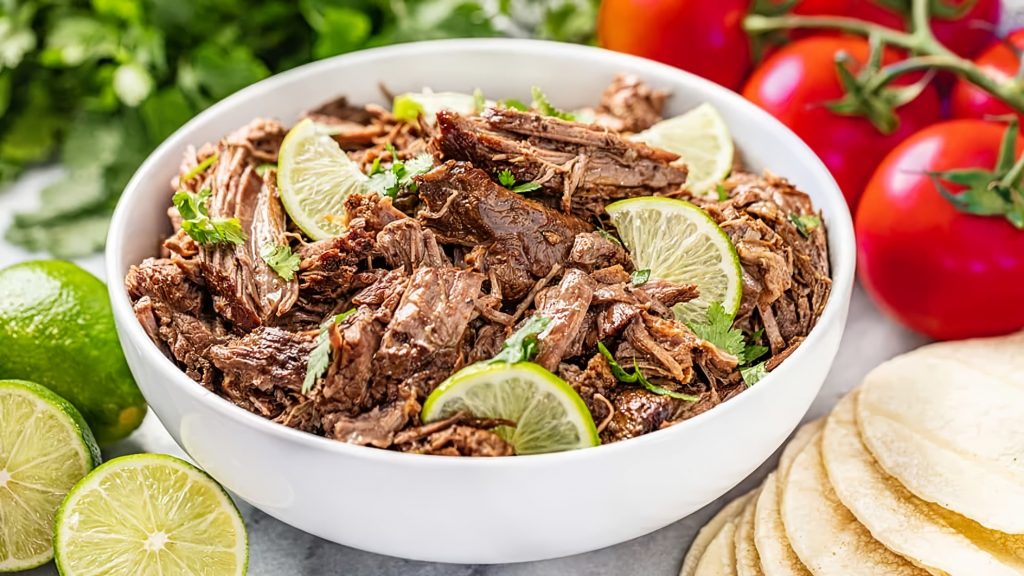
[314, 177]
[678, 241]
[45, 448]
[149, 514]
[703, 142]
[430, 103]
[549, 415]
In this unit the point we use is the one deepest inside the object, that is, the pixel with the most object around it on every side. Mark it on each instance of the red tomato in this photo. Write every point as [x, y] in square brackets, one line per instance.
[935, 269]
[796, 83]
[966, 35]
[999, 62]
[699, 36]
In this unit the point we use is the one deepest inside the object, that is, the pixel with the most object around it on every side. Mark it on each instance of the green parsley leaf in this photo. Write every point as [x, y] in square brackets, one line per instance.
[514, 104]
[200, 168]
[521, 346]
[638, 377]
[320, 357]
[723, 194]
[407, 109]
[399, 177]
[544, 106]
[525, 187]
[281, 259]
[805, 223]
[751, 350]
[506, 178]
[751, 374]
[197, 223]
[375, 167]
[640, 277]
[718, 330]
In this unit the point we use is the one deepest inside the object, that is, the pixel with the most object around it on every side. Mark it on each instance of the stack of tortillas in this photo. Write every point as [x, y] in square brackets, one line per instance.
[919, 471]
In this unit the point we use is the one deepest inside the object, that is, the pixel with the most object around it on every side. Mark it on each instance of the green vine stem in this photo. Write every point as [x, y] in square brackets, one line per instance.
[929, 54]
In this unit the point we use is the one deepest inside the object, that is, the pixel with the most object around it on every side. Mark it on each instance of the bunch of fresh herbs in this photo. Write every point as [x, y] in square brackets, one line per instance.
[97, 84]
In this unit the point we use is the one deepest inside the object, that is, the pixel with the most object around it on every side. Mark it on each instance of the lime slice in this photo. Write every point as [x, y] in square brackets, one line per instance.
[549, 415]
[314, 177]
[431, 103]
[45, 448]
[678, 241]
[149, 514]
[703, 142]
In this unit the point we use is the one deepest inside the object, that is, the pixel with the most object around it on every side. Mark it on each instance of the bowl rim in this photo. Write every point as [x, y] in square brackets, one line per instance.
[841, 256]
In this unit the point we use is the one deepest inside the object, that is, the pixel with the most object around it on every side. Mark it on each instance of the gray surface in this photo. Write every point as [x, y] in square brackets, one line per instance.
[278, 549]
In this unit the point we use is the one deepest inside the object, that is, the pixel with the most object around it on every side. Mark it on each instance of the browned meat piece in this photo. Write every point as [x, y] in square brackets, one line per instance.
[785, 274]
[594, 384]
[423, 342]
[352, 127]
[593, 250]
[565, 305]
[265, 359]
[667, 349]
[374, 428]
[170, 309]
[638, 412]
[346, 386]
[584, 165]
[407, 245]
[630, 105]
[374, 211]
[519, 240]
[668, 293]
[459, 435]
[329, 267]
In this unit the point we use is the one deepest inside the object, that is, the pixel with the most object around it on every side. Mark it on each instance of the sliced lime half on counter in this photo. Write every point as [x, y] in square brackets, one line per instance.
[549, 415]
[678, 241]
[45, 448]
[314, 178]
[149, 514]
[703, 142]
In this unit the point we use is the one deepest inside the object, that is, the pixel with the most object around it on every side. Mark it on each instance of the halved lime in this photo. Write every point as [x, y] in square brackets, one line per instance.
[549, 415]
[431, 103]
[149, 514]
[678, 241]
[703, 142]
[45, 448]
[314, 177]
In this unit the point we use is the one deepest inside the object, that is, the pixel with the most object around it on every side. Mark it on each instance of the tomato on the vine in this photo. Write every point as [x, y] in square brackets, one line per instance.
[706, 38]
[936, 269]
[797, 83]
[966, 35]
[999, 61]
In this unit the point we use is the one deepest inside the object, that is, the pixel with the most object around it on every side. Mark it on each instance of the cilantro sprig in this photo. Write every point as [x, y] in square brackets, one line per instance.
[521, 346]
[200, 168]
[717, 329]
[508, 180]
[196, 221]
[545, 107]
[637, 377]
[320, 357]
[399, 176]
[281, 259]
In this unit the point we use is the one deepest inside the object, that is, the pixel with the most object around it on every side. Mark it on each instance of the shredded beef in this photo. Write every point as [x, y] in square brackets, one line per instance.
[638, 412]
[630, 105]
[265, 358]
[565, 306]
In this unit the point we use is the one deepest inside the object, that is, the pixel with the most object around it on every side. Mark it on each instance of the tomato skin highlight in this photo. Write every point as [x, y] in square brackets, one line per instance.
[997, 61]
[936, 270]
[796, 83]
[702, 37]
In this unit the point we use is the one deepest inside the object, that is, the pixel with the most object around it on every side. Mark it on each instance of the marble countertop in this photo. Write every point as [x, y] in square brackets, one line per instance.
[277, 549]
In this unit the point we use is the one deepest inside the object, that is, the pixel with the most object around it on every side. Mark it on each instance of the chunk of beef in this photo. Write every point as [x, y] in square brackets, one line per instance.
[584, 165]
[594, 250]
[637, 412]
[265, 359]
[423, 342]
[594, 384]
[458, 435]
[565, 306]
[352, 127]
[407, 245]
[630, 105]
[371, 212]
[329, 268]
[171, 310]
[666, 349]
[785, 272]
[518, 241]
[376, 427]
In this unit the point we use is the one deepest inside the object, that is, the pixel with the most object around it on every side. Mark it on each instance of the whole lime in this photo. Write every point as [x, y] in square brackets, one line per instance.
[57, 329]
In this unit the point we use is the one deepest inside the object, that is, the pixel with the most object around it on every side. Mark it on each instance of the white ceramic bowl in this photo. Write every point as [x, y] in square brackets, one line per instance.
[474, 510]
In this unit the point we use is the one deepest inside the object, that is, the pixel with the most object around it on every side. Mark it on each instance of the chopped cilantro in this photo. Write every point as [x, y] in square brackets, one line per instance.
[200, 168]
[640, 277]
[508, 180]
[718, 330]
[723, 194]
[196, 221]
[521, 346]
[638, 377]
[805, 223]
[320, 357]
[544, 106]
[375, 167]
[399, 177]
[608, 236]
[262, 169]
[281, 259]
[513, 104]
[751, 374]
[405, 108]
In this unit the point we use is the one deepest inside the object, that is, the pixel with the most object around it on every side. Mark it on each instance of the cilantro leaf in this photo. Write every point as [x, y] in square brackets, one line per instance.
[506, 178]
[752, 374]
[638, 377]
[399, 177]
[608, 236]
[197, 223]
[805, 223]
[640, 277]
[751, 350]
[281, 259]
[513, 104]
[722, 193]
[544, 106]
[200, 168]
[718, 330]
[320, 357]
[525, 187]
[521, 346]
